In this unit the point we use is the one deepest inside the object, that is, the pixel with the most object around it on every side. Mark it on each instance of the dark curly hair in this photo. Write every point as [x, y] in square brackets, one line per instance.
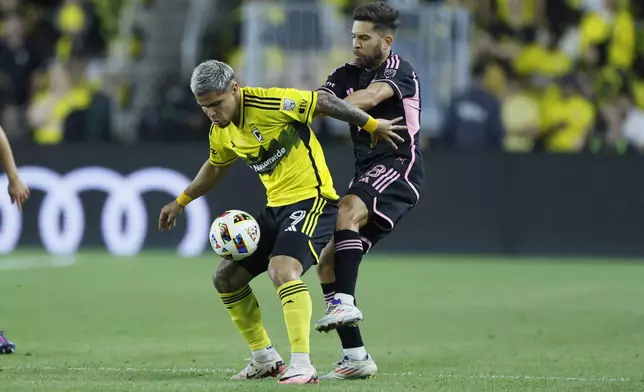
[384, 17]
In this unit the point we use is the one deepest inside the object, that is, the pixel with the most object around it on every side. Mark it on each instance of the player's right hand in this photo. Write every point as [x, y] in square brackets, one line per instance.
[169, 214]
[387, 131]
[18, 192]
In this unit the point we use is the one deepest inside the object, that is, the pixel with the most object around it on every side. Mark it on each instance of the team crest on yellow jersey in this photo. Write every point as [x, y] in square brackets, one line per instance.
[258, 135]
[268, 158]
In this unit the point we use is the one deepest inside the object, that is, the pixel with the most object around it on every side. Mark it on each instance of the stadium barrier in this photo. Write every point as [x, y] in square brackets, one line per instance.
[109, 197]
[298, 44]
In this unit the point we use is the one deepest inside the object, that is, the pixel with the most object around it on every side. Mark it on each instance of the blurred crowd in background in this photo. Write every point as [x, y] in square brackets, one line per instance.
[52, 62]
[546, 75]
[569, 74]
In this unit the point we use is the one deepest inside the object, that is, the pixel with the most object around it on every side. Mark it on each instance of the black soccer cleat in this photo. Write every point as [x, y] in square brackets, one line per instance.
[6, 347]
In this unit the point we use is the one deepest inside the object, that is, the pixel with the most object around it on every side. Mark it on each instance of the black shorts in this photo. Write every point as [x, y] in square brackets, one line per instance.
[299, 230]
[389, 188]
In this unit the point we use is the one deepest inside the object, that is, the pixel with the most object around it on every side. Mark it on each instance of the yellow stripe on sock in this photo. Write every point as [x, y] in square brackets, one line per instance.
[298, 308]
[230, 299]
[234, 293]
[291, 290]
[246, 315]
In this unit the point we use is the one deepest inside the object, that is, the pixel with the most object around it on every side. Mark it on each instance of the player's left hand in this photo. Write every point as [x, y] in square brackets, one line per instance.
[386, 131]
[18, 192]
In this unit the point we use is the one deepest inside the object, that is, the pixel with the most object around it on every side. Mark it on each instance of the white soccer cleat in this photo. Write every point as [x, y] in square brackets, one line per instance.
[351, 369]
[299, 375]
[339, 315]
[256, 370]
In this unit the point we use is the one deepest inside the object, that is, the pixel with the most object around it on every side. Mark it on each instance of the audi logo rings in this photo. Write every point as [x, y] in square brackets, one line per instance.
[123, 218]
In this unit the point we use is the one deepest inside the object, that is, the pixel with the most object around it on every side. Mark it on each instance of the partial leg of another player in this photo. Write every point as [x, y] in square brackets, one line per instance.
[6, 346]
[356, 363]
[352, 214]
[232, 283]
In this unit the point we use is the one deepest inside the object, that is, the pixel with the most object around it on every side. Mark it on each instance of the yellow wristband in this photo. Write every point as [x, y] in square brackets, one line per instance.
[184, 199]
[371, 125]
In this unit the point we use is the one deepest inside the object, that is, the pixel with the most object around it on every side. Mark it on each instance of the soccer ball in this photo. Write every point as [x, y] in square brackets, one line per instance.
[234, 235]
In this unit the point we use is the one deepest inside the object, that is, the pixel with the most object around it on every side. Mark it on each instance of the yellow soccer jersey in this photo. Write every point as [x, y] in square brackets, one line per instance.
[275, 140]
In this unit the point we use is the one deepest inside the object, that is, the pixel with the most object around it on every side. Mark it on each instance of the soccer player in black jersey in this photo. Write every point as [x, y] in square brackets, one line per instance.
[388, 175]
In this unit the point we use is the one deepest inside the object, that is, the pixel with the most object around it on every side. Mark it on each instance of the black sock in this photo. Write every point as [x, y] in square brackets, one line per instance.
[350, 337]
[328, 289]
[348, 255]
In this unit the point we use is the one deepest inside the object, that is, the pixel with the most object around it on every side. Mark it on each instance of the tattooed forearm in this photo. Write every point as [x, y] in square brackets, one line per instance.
[332, 106]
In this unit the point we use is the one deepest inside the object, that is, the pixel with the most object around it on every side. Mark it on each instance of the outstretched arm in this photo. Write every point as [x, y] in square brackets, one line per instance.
[326, 103]
[370, 97]
[381, 129]
[6, 155]
[332, 106]
[209, 175]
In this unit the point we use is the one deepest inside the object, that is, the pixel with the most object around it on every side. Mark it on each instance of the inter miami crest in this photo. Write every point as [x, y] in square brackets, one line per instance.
[390, 73]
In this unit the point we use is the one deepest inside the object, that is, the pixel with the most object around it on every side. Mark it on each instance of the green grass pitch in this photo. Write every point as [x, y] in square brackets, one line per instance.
[154, 323]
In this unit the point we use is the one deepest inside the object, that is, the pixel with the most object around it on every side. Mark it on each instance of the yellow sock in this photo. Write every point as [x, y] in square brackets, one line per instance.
[247, 317]
[298, 308]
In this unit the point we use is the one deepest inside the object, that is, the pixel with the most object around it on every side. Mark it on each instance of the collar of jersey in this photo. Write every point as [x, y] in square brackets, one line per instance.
[241, 108]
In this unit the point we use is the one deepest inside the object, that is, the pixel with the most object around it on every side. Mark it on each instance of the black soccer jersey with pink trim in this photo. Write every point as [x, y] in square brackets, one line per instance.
[402, 78]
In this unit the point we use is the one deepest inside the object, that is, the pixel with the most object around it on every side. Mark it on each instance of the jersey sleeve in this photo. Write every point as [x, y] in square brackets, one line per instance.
[220, 155]
[296, 105]
[335, 83]
[400, 76]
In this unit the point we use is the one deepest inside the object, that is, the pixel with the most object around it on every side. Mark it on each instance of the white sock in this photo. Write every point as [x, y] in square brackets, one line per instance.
[300, 360]
[344, 298]
[265, 354]
[358, 353]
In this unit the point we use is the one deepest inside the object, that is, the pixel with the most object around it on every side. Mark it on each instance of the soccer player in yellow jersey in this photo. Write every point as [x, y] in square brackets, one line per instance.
[270, 130]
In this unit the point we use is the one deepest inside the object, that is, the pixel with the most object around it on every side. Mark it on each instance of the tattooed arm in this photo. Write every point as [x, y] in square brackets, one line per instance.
[332, 106]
